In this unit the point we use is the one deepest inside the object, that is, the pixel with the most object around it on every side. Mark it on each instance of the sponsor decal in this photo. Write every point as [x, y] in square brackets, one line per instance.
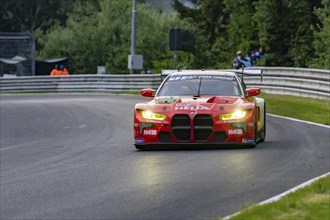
[241, 125]
[248, 140]
[150, 132]
[139, 140]
[177, 78]
[219, 77]
[165, 100]
[184, 106]
[235, 131]
[146, 125]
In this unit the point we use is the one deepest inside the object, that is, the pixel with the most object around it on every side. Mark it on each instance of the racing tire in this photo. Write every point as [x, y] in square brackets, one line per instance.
[255, 133]
[262, 139]
[255, 139]
[139, 147]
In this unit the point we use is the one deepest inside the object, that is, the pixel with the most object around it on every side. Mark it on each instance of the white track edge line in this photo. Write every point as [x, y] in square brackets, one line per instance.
[298, 120]
[278, 197]
[275, 198]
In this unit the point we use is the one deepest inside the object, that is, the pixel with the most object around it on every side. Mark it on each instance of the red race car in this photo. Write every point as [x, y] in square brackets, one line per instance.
[200, 107]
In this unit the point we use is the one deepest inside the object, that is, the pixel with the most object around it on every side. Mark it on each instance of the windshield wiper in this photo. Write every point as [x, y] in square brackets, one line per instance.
[199, 88]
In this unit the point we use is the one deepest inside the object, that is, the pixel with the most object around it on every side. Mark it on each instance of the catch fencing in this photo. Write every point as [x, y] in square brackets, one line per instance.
[291, 81]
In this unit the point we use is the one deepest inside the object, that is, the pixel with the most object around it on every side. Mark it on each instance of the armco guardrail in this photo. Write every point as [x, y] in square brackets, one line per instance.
[291, 81]
[80, 83]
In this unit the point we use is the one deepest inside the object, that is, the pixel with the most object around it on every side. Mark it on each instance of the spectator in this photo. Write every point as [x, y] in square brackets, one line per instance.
[241, 61]
[252, 57]
[56, 71]
[64, 70]
[259, 54]
[248, 57]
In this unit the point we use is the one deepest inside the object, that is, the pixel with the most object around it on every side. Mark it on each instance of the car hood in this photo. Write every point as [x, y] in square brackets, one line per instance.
[195, 104]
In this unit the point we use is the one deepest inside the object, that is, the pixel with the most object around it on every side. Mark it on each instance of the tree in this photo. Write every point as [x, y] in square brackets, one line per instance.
[302, 20]
[284, 29]
[208, 21]
[241, 32]
[79, 40]
[274, 32]
[321, 42]
[102, 36]
[33, 15]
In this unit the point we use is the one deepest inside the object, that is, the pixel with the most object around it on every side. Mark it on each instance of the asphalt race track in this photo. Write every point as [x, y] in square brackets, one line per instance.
[72, 157]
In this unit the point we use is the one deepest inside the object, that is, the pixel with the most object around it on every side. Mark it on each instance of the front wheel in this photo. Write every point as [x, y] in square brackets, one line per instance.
[263, 130]
[253, 145]
[139, 147]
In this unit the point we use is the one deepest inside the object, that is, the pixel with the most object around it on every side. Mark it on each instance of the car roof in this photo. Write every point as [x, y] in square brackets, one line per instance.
[202, 72]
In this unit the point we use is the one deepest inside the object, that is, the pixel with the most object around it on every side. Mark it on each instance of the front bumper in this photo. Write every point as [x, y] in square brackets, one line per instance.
[200, 129]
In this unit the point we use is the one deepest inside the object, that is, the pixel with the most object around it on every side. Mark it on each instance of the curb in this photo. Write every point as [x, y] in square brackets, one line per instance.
[278, 197]
[298, 120]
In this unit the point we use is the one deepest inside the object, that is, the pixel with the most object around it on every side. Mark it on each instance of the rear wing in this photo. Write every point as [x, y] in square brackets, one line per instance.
[248, 72]
[240, 72]
[165, 73]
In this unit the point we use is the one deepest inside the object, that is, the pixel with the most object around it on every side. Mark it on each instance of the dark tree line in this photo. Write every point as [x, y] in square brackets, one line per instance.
[289, 30]
[294, 33]
[32, 15]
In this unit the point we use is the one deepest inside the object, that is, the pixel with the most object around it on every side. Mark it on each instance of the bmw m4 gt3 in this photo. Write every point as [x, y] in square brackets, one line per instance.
[196, 107]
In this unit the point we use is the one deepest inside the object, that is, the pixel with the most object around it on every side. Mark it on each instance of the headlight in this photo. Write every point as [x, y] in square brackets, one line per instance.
[238, 114]
[152, 115]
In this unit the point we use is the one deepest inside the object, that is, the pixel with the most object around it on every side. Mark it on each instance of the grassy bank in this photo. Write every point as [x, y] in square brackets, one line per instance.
[313, 201]
[310, 202]
[308, 109]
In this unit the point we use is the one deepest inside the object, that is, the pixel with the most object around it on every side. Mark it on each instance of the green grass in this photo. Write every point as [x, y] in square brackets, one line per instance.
[313, 201]
[308, 109]
[310, 202]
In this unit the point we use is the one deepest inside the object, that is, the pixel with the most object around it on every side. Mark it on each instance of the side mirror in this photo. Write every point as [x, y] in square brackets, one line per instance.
[147, 92]
[253, 91]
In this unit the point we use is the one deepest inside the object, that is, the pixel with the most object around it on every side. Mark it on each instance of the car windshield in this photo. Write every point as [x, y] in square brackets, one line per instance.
[200, 85]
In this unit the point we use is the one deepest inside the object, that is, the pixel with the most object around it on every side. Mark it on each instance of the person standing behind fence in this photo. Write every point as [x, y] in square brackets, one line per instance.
[64, 70]
[259, 54]
[56, 71]
[241, 61]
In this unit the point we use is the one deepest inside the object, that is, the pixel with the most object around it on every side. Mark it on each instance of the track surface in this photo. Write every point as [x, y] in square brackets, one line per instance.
[71, 157]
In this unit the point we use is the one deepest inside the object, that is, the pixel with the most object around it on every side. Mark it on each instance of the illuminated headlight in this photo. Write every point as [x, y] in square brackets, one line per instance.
[238, 114]
[152, 115]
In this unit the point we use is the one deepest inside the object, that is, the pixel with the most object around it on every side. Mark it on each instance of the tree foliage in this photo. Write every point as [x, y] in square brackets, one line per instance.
[285, 31]
[293, 33]
[32, 15]
[283, 27]
[322, 38]
[102, 36]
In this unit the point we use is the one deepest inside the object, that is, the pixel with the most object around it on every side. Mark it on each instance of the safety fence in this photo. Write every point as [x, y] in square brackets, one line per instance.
[291, 81]
[80, 83]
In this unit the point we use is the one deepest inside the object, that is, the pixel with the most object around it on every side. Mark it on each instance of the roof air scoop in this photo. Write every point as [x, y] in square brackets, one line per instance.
[211, 100]
[221, 100]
